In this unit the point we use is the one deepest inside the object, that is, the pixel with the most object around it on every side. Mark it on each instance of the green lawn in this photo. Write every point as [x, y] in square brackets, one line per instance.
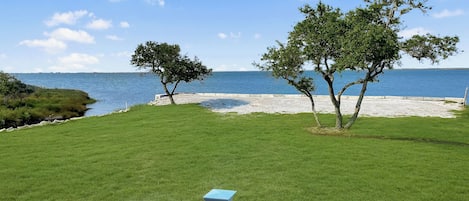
[181, 152]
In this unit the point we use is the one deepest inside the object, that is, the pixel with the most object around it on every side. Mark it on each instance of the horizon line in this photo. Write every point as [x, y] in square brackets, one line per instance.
[228, 71]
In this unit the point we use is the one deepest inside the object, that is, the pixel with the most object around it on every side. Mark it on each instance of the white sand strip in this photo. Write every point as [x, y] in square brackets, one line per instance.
[378, 106]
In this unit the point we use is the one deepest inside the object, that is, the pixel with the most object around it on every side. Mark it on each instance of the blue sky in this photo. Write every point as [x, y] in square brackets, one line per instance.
[226, 35]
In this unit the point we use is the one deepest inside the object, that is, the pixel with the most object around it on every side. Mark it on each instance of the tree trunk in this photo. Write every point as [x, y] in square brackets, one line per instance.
[354, 117]
[169, 94]
[336, 103]
[313, 108]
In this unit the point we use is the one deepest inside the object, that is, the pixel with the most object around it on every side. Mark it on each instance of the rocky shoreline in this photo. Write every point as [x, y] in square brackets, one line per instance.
[43, 123]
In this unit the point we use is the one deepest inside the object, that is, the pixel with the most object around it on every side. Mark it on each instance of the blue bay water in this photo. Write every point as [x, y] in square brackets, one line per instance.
[115, 91]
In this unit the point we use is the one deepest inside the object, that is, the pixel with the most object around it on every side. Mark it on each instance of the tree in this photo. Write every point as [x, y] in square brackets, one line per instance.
[286, 62]
[364, 40]
[165, 61]
[10, 87]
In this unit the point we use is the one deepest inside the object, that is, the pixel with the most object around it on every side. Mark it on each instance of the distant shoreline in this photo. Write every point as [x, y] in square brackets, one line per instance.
[231, 71]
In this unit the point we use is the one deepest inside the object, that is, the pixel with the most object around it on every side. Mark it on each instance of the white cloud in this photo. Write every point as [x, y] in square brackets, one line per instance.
[57, 38]
[222, 35]
[408, 33]
[3, 56]
[447, 13]
[99, 24]
[114, 37]
[124, 24]
[232, 35]
[65, 34]
[50, 45]
[155, 2]
[69, 18]
[74, 62]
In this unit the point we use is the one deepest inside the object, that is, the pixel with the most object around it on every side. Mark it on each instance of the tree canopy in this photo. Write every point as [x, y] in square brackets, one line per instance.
[169, 65]
[366, 40]
[10, 87]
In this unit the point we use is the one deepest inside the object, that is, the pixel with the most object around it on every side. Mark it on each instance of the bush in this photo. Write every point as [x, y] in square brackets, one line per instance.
[35, 104]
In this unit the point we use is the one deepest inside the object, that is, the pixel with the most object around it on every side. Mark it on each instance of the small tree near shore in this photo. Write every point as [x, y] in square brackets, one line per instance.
[11, 87]
[286, 62]
[364, 40]
[165, 61]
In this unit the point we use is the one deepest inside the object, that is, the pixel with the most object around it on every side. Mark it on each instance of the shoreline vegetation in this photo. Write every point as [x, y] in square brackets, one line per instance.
[24, 104]
[44, 105]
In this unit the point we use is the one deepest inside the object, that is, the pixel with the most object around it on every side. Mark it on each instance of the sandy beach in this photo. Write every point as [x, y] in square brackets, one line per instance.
[377, 106]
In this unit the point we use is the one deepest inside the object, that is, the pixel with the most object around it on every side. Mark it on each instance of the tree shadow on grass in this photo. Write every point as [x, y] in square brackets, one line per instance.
[420, 140]
[337, 133]
[223, 103]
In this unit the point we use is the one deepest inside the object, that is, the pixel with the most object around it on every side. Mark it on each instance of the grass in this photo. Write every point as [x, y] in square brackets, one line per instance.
[436, 130]
[181, 152]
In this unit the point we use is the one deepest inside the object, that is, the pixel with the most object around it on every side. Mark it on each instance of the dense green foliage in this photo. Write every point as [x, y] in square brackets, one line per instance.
[25, 104]
[181, 152]
[10, 87]
[365, 39]
[168, 64]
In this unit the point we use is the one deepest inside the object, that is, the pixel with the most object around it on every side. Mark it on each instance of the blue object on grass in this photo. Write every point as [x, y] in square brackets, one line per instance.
[219, 195]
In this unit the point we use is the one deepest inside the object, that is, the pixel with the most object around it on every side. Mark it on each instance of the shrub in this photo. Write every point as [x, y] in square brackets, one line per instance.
[30, 104]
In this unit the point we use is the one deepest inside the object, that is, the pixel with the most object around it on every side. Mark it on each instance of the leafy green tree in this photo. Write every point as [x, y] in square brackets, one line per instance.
[165, 61]
[286, 62]
[364, 40]
[10, 87]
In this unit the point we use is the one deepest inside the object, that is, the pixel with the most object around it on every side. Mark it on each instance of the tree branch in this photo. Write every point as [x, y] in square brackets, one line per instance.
[174, 88]
[342, 91]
